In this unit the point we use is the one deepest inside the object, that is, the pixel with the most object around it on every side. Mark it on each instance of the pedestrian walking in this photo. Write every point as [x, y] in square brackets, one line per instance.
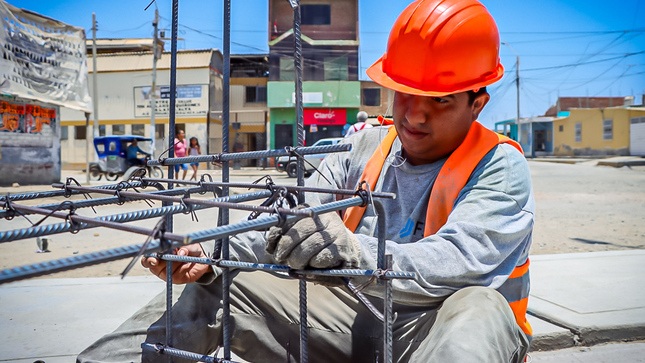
[181, 145]
[194, 150]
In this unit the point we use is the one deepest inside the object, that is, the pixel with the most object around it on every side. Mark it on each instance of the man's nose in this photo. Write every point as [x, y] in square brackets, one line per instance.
[417, 110]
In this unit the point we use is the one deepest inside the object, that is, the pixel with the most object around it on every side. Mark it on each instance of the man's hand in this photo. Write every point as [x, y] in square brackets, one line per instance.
[320, 242]
[183, 273]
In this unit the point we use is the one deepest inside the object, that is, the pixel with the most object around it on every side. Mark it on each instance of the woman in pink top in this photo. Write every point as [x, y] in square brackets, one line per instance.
[180, 152]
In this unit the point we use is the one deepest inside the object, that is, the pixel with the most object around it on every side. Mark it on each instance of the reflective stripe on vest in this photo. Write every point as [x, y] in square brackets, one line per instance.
[451, 180]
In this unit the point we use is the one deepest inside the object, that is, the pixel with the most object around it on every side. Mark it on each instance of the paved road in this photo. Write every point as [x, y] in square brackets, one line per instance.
[605, 353]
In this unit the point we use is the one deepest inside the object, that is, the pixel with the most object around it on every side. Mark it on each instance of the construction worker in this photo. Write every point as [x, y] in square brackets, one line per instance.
[462, 221]
[361, 124]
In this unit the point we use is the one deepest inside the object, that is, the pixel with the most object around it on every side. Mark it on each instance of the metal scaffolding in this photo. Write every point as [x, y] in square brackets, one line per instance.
[279, 207]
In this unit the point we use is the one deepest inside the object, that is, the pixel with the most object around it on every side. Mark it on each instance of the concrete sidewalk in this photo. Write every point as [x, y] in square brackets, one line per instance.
[576, 299]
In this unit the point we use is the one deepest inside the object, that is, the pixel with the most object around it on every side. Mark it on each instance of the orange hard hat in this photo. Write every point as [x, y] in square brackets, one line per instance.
[440, 47]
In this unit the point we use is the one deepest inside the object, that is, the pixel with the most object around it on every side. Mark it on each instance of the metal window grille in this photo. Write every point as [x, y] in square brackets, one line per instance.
[371, 96]
[608, 129]
[578, 132]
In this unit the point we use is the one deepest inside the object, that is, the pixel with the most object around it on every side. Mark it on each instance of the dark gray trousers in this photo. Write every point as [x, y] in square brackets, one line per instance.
[473, 325]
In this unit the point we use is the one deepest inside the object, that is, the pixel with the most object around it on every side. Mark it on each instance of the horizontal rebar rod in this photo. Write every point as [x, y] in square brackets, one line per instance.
[306, 150]
[282, 268]
[174, 352]
[93, 221]
[70, 263]
[58, 193]
[74, 262]
[266, 222]
[96, 202]
[291, 188]
[37, 231]
[192, 201]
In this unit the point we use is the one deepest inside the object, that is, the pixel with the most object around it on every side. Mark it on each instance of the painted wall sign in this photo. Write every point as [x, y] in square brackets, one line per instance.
[28, 119]
[324, 116]
[192, 100]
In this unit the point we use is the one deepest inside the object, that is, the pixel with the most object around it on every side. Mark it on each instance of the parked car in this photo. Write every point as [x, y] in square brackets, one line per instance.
[289, 164]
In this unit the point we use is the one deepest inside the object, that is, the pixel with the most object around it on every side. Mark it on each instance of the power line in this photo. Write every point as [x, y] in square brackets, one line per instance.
[582, 63]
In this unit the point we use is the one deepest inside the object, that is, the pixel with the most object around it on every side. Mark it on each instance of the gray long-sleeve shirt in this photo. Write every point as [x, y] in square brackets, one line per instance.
[487, 233]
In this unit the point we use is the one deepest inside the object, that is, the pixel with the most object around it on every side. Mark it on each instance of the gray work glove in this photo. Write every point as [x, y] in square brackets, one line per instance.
[319, 242]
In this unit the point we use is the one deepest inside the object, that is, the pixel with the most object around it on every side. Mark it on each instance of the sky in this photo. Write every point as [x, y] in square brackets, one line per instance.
[571, 48]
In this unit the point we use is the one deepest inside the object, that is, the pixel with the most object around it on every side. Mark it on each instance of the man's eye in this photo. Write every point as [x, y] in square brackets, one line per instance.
[439, 99]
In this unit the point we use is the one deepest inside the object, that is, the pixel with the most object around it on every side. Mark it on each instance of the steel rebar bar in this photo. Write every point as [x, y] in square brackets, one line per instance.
[37, 231]
[96, 202]
[225, 156]
[192, 201]
[290, 188]
[57, 193]
[385, 274]
[74, 218]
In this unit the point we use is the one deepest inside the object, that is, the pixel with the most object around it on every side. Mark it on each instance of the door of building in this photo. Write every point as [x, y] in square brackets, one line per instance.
[283, 135]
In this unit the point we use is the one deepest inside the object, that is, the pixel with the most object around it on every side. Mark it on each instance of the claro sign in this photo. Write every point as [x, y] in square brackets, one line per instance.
[325, 116]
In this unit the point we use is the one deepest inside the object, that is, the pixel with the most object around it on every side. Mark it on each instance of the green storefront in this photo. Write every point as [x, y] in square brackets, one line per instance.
[328, 107]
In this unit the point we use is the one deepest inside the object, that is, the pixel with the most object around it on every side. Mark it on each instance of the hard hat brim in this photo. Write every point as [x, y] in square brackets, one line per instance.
[375, 72]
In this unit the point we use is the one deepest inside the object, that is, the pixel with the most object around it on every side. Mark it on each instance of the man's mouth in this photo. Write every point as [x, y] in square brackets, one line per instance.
[415, 134]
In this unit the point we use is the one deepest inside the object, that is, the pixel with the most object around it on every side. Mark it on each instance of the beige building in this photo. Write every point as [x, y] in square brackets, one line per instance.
[124, 96]
[376, 100]
[597, 131]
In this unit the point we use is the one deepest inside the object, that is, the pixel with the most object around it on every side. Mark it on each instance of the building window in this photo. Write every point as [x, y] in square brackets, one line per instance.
[139, 130]
[335, 69]
[315, 14]
[548, 135]
[102, 130]
[118, 129]
[160, 131]
[256, 94]
[371, 96]
[80, 132]
[608, 129]
[63, 133]
[287, 72]
[578, 132]
[561, 128]
[637, 120]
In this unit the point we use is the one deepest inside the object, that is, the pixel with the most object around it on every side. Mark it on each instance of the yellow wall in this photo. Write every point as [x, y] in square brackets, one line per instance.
[592, 131]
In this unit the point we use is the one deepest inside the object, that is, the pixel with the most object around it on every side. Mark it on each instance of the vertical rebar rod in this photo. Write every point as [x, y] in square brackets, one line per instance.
[226, 307]
[297, 62]
[171, 153]
[300, 136]
[387, 307]
[384, 262]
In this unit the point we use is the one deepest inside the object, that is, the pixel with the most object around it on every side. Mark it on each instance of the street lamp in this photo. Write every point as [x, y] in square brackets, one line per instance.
[517, 84]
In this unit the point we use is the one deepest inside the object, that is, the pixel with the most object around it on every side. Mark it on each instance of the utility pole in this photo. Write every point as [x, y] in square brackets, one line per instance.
[95, 103]
[95, 92]
[517, 84]
[153, 90]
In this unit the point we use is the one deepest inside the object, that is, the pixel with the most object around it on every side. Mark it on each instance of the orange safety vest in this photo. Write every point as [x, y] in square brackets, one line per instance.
[451, 180]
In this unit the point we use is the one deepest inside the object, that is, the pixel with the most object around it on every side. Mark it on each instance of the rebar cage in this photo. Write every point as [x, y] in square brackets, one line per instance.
[279, 206]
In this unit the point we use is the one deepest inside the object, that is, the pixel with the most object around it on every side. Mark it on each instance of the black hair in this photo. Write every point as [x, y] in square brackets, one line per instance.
[472, 95]
[190, 143]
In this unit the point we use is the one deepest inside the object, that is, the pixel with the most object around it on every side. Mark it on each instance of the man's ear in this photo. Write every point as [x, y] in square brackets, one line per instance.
[479, 103]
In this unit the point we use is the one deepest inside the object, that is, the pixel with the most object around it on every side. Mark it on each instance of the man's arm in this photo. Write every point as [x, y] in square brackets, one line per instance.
[487, 234]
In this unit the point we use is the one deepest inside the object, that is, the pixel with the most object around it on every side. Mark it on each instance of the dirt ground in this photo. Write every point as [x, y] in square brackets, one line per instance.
[579, 208]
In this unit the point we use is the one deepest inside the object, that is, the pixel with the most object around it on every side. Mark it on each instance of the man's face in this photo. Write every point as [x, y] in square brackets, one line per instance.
[430, 128]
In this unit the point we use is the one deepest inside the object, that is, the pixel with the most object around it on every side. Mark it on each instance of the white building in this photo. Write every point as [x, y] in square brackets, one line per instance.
[124, 94]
